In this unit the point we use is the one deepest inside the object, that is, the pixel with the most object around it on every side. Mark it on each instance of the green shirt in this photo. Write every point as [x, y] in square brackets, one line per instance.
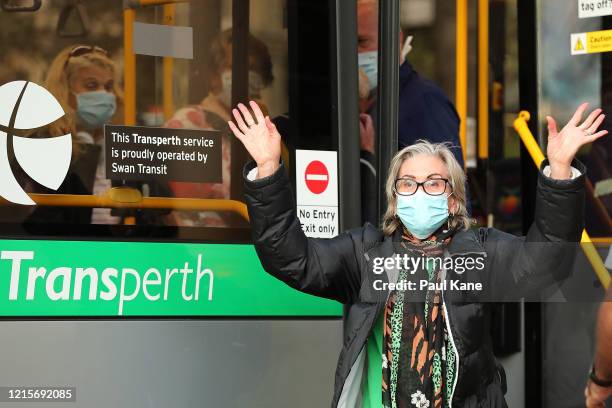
[372, 386]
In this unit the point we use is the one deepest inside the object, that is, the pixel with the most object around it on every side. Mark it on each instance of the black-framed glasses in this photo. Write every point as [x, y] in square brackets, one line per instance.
[84, 49]
[435, 186]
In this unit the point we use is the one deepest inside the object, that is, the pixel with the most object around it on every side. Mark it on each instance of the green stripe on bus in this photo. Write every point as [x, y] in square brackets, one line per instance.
[93, 278]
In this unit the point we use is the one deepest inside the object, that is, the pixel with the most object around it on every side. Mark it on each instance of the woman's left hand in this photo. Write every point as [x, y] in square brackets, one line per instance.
[595, 395]
[563, 145]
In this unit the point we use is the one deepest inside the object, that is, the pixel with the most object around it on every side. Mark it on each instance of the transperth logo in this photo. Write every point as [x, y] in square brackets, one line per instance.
[25, 106]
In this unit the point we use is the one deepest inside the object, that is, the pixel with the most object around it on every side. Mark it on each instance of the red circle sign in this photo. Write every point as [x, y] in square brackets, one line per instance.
[316, 177]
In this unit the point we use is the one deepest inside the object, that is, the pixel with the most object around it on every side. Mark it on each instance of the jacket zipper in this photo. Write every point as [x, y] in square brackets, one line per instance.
[450, 334]
[448, 328]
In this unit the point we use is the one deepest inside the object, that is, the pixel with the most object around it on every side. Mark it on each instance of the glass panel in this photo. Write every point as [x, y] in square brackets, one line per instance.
[368, 59]
[237, 362]
[566, 79]
[501, 178]
[189, 92]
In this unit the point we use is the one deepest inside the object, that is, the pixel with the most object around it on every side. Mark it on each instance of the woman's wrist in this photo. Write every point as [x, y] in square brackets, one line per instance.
[602, 375]
[267, 169]
[560, 171]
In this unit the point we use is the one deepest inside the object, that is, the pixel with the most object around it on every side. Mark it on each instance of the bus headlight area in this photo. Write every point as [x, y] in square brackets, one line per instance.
[111, 284]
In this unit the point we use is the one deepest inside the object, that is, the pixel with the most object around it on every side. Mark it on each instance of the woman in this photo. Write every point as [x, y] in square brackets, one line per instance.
[401, 350]
[83, 79]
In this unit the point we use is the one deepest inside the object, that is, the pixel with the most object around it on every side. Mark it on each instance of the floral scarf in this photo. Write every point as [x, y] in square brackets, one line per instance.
[418, 357]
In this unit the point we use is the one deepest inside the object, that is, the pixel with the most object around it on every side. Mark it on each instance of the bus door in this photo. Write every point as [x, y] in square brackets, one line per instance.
[566, 61]
[127, 269]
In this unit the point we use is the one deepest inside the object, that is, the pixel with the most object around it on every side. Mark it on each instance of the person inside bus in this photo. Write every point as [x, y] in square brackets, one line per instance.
[599, 384]
[437, 350]
[213, 112]
[425, 112]
[83, 80]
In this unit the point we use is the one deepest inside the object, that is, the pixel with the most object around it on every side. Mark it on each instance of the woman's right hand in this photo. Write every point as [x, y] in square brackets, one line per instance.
[259, 136]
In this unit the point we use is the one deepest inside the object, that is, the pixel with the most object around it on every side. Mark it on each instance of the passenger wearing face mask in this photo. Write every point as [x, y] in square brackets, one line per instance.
[213, 112]
[83, 79]
[425, 112]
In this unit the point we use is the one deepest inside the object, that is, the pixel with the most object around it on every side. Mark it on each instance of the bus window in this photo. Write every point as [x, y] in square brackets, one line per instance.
[561, 69]
[181, 88]
[224, 332]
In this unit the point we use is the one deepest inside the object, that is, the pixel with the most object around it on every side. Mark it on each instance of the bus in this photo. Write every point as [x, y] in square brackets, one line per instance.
[127, 271]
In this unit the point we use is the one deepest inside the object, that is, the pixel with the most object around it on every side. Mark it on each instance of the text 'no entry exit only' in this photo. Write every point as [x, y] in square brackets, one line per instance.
[316, 173]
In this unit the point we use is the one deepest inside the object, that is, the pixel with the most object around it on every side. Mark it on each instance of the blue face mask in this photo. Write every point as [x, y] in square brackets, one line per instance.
[368, 62]
[422, 214]
[94, 109]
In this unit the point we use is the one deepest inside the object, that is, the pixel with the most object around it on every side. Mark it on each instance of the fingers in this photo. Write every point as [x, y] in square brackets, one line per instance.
[258, 114]
[235, 130]
[239, 121]
[593, 127]
[578, 114]
[552, 126]
[362, 128]
[595, 136]
[593, 403]
[590, 119]
[362, 121]
[365, 121]
[270, 125]
[247, 115]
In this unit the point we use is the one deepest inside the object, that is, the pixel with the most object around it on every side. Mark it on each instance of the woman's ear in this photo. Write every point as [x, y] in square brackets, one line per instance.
[452, 205]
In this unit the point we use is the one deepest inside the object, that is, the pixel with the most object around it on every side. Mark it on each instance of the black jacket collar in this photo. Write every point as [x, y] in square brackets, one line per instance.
[461, 243]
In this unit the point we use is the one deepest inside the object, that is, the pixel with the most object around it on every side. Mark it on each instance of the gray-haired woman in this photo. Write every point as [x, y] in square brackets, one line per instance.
[418, 345]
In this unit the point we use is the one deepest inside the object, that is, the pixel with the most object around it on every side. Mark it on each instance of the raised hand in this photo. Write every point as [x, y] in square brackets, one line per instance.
[563, 145]
[259, 136]
[596, 396]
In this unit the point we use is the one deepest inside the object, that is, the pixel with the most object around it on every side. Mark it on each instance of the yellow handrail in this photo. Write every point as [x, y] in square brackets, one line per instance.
[520, 125]
[129, 75]
[461, 74]
[483, 79]
[129, 16]
[94, 201]
[171, 203]
[143, 3]
[536, 153]
[602, 240]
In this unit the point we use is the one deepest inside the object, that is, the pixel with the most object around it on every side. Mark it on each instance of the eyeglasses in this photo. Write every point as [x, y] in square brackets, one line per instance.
[434, 186]
[84, 49]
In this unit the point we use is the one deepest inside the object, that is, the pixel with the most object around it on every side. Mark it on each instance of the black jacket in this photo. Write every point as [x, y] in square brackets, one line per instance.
[338, 268]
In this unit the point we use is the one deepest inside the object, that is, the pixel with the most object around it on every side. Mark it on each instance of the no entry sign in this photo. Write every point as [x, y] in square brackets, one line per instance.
[316, 173]
[316, 177]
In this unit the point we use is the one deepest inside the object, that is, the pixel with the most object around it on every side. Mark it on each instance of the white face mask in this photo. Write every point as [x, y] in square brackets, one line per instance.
[255, 87]
[368, 62]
